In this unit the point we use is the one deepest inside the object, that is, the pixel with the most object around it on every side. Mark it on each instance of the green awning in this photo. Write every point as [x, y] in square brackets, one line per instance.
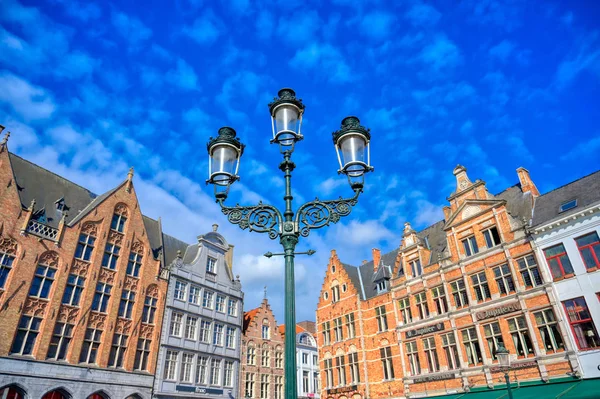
[584, 389]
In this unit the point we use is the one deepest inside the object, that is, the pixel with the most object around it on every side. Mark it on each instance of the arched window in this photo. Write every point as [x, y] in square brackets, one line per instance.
[266, 356]
[12, 392]
[134, 396]
[98, 395]
[8, 251]
[57, 394]
[119, 218]
[251, 354]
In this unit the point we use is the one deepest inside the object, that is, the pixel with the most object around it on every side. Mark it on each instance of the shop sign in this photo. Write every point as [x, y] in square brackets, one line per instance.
[514, 366]
[439, 377]
[500, 310]
[200, 390]
[424, 330]
[342, 389]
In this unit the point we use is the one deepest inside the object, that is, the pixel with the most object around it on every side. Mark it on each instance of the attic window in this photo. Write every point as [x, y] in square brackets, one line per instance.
[381, 286]
[60, 206]
[344, 288]
[567, 205]
[333, 269]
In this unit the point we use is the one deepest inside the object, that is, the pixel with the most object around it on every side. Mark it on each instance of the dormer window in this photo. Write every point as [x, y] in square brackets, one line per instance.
[60, 205]
[492, 238]
[415, 267]
[565, 206]
[381, 286]
[211, 265]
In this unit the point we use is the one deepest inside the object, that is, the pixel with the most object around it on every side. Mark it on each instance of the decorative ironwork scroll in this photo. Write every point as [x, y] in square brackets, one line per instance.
[261, 218]
[317, 213]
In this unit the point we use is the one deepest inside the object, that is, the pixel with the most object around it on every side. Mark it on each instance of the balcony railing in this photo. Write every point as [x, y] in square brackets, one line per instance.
[42, 230]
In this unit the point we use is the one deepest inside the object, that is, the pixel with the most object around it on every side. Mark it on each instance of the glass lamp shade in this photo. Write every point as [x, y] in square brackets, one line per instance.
[353, 150]
[224, 152]
[503, 356]
[286, 119]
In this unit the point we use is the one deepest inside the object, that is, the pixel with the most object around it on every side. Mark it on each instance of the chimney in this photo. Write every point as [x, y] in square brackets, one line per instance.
[376, 258]
[229, 257]
[526, 184]
[446, 210]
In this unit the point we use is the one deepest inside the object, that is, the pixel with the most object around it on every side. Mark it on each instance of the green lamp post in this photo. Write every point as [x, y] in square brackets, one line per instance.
[504, 359]
[352, 147]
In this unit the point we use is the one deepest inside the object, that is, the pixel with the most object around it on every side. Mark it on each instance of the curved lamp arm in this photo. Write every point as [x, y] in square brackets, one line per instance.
[261, 218]
[317, 213]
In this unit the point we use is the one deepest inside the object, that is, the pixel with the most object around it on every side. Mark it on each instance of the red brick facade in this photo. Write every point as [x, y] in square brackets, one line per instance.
[57, 257]
[261, 371]
[417, 331]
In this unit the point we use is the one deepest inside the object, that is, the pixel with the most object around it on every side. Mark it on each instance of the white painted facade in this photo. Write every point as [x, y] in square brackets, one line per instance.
[307, 361]
[584, 283]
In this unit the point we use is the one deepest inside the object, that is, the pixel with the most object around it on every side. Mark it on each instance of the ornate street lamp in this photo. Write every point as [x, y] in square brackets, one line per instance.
[504, 360]
[352, 146]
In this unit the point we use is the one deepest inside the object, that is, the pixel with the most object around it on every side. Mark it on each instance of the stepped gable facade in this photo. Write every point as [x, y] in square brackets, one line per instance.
[82, 286]
[261, 371]
[427, 317]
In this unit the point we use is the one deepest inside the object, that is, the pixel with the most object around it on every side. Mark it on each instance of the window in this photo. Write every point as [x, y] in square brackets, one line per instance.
[405, 310]
[341, 370]
[480, 286]
[305, 382]
[470, 246]
[187, 363]
[141, 354]
[492, 238]
[73, 290]
[529, 271]
[354, 369]
[381, 318]
[565, 206]
[350, 325]
[101, 297]
[451, 351]
[581, 323]
[548, 327]
[207, 299]
[439, 298]
[326, 334]
[59, 344]
[249, 388]
[493, 336]
[117, 350]
[558, 261]
[6, 261]
[211, 265]
[29, 328]
[278, 387]
[194, 296]
[459, 293]
[149, 310]
[205, 331]
[251, 354]
[134, 264]
[386, 363]
[202, 370]
[381, 286]
[471, 345]
[504, 279]
[85, 246]
[42, 282]
[266, 330]
[520, 336]
[118, 222]
[413, 358]
[279, 359]
[215, 371]
[338, 333]
[220, 303]
[218, 334]
[421, 301]
[232, 307]
[111, 256]
[329, 372]
[265, 359]
[415, 267]
[180, 289]
[431, 354]
[304, 358]
[589, 248]
[228, 375]
[175, 325]
[126, 305]
[191, 326]
[230, 338]
[315, 383]
[264, 386]
[335, 292]
[170, 365]
[91, 342]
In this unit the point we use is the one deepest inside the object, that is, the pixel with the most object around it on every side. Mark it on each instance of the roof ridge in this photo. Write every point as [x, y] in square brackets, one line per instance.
[55, 174]
[568, 184]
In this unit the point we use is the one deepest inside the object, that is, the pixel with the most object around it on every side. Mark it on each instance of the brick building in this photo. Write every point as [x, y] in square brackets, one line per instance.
[82, 287]
[307, 359]
[426, 318]
[261, 371]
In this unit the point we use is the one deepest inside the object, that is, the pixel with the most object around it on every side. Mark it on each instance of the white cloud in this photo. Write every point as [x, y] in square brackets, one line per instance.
[131, 28]
[441, 54]
[377, 24]
[421, 14]
[326, 59]
[30, 101]
[183, 76]
[205, 29]
[502, 50]
[328, 186]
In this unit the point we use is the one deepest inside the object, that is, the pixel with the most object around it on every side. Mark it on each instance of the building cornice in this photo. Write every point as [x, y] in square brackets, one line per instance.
[565, 219]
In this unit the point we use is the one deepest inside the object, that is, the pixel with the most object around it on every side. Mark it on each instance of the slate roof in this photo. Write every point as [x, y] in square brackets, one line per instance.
[35, 182]
[586, 190]
[248, 317]
[518, 204]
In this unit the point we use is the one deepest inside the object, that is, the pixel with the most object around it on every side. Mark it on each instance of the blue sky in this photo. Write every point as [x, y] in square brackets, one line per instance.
[91, 88]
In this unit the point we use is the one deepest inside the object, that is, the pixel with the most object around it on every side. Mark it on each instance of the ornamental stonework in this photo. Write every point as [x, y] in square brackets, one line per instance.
[115, 238]
[106, 276]
[123, 326]
[80, 267]
[67, 314]
[152, 291]
[96, 320]
[137, 247]
[121, 209]
[8, 246]
[35, 307]
[146, 331]
[130, 283]
[49, 258]
[90, 228]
